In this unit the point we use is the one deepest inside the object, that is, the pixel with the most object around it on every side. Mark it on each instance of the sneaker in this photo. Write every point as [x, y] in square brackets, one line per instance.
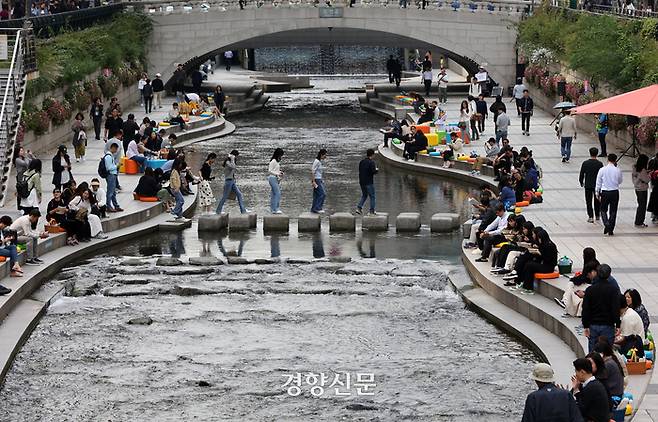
[510, 277]
[358, 211]
[504, 271]
[509, 284]
[31, 262]
[372, 213]
[590, 220]
[246, 211]
[482, 259]
[320, 211]
[515, 287]
[118, 209]
[277, 212]
[4, 290]
[77, 160]
[495, 270]
[560, 302]
[641, 226]
[102, 235]
[527, 292]
[564, 159]
[38, 261]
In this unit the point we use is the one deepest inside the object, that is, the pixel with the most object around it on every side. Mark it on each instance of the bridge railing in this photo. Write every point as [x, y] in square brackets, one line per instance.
[601, 9]
[334, 7]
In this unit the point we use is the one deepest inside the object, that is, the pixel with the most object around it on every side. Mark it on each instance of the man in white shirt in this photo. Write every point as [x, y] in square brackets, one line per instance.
[517, 94]
[608, 181]
[137, 152]
[26, 228]
[492, 235]
[443, 86]
[567, 132]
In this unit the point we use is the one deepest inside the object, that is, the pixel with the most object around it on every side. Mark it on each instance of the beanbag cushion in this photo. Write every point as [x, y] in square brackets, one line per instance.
[547, 276]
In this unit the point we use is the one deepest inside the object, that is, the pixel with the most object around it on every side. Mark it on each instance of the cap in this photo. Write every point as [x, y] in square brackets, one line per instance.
[95, 183]
[157, 75]
[542, 372]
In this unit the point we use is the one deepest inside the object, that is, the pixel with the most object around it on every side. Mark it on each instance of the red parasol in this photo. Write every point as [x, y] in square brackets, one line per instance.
[642, 102]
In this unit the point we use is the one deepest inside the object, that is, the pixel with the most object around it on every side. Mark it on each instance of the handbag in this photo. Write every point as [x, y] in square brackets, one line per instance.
[81, 214]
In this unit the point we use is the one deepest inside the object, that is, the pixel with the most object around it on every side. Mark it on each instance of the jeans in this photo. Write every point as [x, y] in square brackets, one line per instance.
[180, 201]
[525, 122]
[604, 150]
[141, 160]
[275, 199]
[474, 130]
[30, 246]
[10, 252]
[481, 124]
[230, 185]
[443, 94]
[318, 196]
[367, 191]
[641, 212]
[500, 134]
[595, 331]
[565, 146]
[428, 86]
[609, 198]
[111, 198]
[589, 198]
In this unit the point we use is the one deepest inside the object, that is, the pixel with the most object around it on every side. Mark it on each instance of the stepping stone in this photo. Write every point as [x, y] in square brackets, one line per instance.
[443, 223]
[276, 223]
[375, 223]
[213, 222]
[342, 222]
[238, 260]
[308, 222]
[204, 261]
[241, 222]
[407, 222]
[456, 218]
[168, 261]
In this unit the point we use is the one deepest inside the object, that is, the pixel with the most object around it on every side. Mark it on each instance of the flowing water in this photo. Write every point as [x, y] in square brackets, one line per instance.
[224, 340]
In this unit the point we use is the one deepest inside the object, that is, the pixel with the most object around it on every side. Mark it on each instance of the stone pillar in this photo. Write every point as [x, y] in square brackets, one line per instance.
[342, 222]
[308, 222]
[443, 223]
[276, 223]
[408, 222]
[240, 222]
[213, 222]
[378, 222]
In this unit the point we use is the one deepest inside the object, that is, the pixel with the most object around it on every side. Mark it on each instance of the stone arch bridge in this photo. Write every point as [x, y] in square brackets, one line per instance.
[468, 33]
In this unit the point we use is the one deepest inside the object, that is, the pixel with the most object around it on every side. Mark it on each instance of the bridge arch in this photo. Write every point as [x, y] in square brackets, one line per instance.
[467, 38]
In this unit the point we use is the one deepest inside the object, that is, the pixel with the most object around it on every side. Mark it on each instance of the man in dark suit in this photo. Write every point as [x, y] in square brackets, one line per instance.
[591, 395]
[549, 403]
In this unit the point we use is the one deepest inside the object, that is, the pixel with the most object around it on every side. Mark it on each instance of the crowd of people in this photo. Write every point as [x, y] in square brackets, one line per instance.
[16, 9]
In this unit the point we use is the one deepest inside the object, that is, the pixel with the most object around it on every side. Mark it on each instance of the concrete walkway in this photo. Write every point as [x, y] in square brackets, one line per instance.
[631, 252]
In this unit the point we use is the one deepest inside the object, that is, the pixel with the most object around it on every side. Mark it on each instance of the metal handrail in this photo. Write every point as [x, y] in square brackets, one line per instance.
[6, 115]
[600, 9]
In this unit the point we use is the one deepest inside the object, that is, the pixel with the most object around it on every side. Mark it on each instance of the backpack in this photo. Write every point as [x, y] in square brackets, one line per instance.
[102, 169]
[22, 187]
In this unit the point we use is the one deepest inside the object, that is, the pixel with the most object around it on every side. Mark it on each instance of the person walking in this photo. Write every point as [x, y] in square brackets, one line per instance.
[206, 197]
[549, 402]
[228, 59]
[230, 186]
[319, 194]
[567, 132]
[641, 179]
[495, 110]
[112, 178]
[367, 171]
[590, 393]
[608, 181]
[79, 140]
[96, 116]
[179, 82]
[600, 308]
[140, 88]
[602, 130]
[502, 125]
[158, 90]
[147, 94]
[427, 80]
[517, 94]
[397, 72]
[443, 86]
[175, 184]
[219, 97]
[526, 106]
[33, 178]
[61, 164]
[390, 67]
[482, 112]
[274, 175]
[587, 178]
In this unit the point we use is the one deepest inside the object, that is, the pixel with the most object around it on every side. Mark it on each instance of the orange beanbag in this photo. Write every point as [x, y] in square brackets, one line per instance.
[132, 166]
[537, 194]
[547, 276]
[523, 203]
[3, 258]
[424, 129]
[145, 198]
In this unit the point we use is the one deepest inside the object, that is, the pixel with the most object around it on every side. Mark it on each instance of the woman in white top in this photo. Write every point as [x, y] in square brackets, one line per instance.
[83, 201]
[274, 176]
[465, 116]
[474, 89]
[319, 194]
[33, 178]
